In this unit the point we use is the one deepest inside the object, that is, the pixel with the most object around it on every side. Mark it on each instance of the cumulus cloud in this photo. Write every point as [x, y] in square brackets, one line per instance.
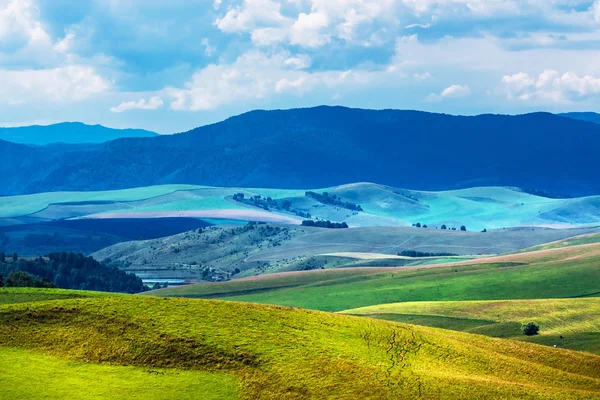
[152, 103]
[451, 92]
[70, 83]
[551, 85]
[257, 75]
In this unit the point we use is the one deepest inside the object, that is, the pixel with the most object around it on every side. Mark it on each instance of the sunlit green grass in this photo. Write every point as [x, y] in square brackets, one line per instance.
[574, 241]
[571, 323]
[572, 272]
[105, 347]
[24, 295]
[28, 375]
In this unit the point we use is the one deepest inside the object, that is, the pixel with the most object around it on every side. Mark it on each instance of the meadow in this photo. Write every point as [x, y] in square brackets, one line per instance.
[558, 273]
[133, 347]
[568, 323]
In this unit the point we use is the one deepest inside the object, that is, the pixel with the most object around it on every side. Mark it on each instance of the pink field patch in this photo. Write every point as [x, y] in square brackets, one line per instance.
[238, 215]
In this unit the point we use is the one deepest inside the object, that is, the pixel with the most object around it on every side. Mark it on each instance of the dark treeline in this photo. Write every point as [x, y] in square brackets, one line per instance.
[416, 254]
[546, 193]
[325, 224]
[268, 203]
[68, 271]
[333, 200]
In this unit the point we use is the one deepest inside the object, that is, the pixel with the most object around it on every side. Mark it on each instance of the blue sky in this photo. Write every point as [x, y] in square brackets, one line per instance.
[172, 65]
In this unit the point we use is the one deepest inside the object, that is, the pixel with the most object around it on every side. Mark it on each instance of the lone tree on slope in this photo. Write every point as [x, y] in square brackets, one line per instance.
[530, 329]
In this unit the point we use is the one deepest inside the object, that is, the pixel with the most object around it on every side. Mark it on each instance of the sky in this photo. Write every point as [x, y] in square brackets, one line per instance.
[169, 66]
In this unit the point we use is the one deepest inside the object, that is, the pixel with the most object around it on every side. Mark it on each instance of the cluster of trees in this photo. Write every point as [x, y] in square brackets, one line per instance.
[546, 194]
[444, 227]
[413, 253]
[69, 271]
[325, 224]
[268, 203]
[23, 279]
[44, 239]
[333, 200]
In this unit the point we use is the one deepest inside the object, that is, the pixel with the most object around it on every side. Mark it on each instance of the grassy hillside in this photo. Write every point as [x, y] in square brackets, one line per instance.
[574, 241]
[555, 273]
[180, 348]
[476, 208]
[264, 249]
[569, 323]
[26, 295]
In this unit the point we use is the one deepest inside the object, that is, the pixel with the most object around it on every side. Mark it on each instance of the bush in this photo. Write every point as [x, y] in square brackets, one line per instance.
[530, 329]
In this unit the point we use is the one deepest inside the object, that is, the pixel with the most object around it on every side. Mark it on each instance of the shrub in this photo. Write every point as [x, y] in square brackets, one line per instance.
[530, 329]
[463, 228]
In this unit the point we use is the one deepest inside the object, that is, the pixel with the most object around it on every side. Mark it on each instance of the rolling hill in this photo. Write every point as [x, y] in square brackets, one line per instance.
[160, 211]
[566, 323]
[326, 146]
[182, 348]
[68, 132]
[553, 273]
[583, 116]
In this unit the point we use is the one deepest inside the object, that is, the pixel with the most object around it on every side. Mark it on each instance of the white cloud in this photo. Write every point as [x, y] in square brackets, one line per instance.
[551, 86]
[451, 92]
[250, 15]
[19, 22]
[72, 83]
[255, 76]
[208, 49]
[422, 76]
[301, 61]
[153, 103]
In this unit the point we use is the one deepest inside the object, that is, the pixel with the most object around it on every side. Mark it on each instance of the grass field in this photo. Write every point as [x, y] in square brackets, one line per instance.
[567, 272]
[569, 323]
[132, 346]
[51, 377]
[574, 241]
[26, 295]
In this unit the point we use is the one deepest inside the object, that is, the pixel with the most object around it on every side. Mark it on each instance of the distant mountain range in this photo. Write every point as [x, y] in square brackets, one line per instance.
[68, 132]
[583, 116]
[327, 146]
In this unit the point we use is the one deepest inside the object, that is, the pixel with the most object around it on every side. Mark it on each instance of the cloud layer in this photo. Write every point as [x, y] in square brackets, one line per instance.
[190, 62]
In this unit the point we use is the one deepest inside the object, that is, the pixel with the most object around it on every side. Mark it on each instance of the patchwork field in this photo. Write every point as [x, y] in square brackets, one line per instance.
[187, 348]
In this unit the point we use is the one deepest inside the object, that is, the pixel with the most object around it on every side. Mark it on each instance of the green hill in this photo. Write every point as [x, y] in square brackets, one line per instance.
[555, 273]
[143, 347]
[568, 323]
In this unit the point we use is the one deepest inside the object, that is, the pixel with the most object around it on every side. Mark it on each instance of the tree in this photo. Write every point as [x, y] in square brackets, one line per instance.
[484, 230]
[15, 257]
[463, 228]
[2, 257]
[530, 329]
[444, 227]
[1, 281]
[418, 224]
